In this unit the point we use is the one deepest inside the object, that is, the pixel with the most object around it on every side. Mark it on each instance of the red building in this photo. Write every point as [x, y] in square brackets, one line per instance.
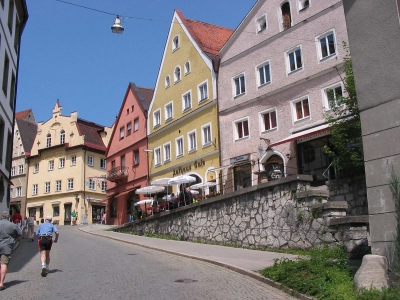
[127, 163]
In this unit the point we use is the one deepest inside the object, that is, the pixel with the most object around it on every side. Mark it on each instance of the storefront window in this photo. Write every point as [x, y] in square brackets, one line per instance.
[56, 211]
[130, 202]
[242, 176]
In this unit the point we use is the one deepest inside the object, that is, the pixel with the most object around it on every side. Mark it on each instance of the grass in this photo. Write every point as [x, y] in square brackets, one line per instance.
[324, 274]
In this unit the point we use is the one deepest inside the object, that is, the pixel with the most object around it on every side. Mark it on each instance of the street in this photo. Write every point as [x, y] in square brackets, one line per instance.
[84, 266]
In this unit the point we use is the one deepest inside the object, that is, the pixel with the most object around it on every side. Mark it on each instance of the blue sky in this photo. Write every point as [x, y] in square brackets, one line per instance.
[69, 53]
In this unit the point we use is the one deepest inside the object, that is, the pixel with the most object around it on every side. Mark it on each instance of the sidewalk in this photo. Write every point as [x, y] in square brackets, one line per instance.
[244, 261]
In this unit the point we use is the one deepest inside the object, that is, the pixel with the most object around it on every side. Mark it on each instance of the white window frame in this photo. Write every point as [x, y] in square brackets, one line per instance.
[287, 58]
[319, 48]
[58, 185]
[13, 171]
[103, 163]
[294, 111]
[263, 65]
[175, 43]
[325, 100]
[262, 119]
[90, 160]
[301, 4]
[48, 140]
[234, 86]
[62, 137]
[189, 138]
[61, 163]
[122, 133]
[157, 118]
[157, 157]
[280, 15]
[136, 124]
[129, 129]
[236, 129]
[36, 168]
[176, 73]
[104, 186]
[167, 107]
[178, 154]
[70, 184]
[21, 169]
[92, 185]
[19, 191]
[184, 98]
[204, 140]
[34, 189]
[136, 157]
[167, 81]
[47, 187]
[200, 91]
[259, 21]
[73, 160]
[186, 67]
[51, 165]
[167, 152]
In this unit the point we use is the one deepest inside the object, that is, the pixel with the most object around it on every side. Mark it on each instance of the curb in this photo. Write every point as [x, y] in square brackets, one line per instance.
[253, 275]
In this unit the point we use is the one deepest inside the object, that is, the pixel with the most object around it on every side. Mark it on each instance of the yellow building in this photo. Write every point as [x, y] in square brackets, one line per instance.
[183, 135]
[66, 169]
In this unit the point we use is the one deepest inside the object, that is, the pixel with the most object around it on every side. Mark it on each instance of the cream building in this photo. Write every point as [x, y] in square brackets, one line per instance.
[66, 169]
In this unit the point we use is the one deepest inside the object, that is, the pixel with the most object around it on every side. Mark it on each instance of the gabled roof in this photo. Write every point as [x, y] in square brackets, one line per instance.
[22, 114]
[27, 132]
[209, 37]
[91, 132]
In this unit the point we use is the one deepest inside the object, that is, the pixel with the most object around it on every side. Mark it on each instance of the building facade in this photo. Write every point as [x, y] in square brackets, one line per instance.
[127, 163]
[183, 133]
[25, 130]
[275, 75]
[67, 169]
[13, 17]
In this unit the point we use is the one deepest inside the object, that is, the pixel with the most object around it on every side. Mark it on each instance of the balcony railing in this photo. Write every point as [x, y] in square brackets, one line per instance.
[117, 174]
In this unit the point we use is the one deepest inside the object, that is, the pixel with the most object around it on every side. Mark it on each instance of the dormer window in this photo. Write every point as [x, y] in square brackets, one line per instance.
[175, 43]
[167, 81]
[48, 140]
[177, 74]
[286, 18]
[261, 23]
[187, 67]
[62, 137]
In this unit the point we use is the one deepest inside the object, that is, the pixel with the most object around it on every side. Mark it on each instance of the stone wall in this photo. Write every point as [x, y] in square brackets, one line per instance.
[284, 213]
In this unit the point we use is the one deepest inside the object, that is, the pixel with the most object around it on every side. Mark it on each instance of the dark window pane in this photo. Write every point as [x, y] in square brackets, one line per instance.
[291, 61]
[299, 111]
[324, 49]
[246, 128]
[262, 77]
[306, 108]
[273, 119]
[298, 59]
[331, 44]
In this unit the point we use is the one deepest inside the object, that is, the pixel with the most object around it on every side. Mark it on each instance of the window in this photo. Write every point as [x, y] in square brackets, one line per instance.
[333, 96]
[168, 111]
[206, 134]
[34, 189]
[294, 61]
[2, 127]
[123, 161]
[90, 160]
[47, 187]
[121, 133]
[104, 186]
[128, 129]
[19, 191]
[12, 90]
[239, 85]
[192, 144]
[261, 23]
[5, 73]
[167, 81]
[157, 118]
[73, 160]
[177, 74]
[175, 43]
[9, 151]
[92, 184]
[268, 120]
[13, 171]
[203, 91]
[326, 45]
[103, 163]
[187, 101]
[187, 67]
[17, 34]
[12, 192]
[48, 140]
[242, 129]
[167, 152]
[61, 163]
[20, 169]
[113, 164]
[10, 15]
[2, 3]
[301, 109]
[62, 137]
[303, 4]
[70, 184]
[136, 157]
[58, 185]
[56, 211]
[264, 75]
[286, 17]
[36, 168]
[136, 124]
[157, 156]
[179, 147]
[51, 165]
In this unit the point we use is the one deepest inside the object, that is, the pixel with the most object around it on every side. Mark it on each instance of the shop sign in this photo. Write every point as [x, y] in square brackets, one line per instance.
[183, 170]
[240, 158]
[313, 136]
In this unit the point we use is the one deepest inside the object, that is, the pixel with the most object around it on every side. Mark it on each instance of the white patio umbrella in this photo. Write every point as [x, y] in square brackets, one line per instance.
[145, 201]
[162, 182]
[182, 179]
[149, 190]
[194, 192]
[203, 185]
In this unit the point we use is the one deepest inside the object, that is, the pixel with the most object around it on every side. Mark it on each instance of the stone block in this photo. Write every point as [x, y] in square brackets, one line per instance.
[372, 273]
[382, 227]
[380, 118]
[378, 171]
[373, 144]
[380, 200]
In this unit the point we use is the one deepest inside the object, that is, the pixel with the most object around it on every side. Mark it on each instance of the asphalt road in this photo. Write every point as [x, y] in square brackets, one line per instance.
[84, 266]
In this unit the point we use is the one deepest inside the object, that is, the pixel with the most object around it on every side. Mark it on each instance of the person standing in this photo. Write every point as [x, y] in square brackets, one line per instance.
[73, 215]
[104, 218]
[9, 233]
[17, 218]
[31, 227]
[25, 228]
[45, 233]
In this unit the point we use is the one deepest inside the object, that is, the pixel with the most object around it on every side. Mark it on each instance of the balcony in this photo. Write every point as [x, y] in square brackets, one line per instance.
[117, 174]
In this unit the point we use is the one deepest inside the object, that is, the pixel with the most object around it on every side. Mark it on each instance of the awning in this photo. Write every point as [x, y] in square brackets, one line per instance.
[302, 134]
[37, 204]
[126, 192]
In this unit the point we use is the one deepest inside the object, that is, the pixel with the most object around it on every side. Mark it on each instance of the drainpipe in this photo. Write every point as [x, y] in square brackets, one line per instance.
[84, 185]
[216, 65]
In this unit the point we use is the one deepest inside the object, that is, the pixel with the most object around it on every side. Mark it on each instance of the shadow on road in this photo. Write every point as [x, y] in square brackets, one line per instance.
[11, 283]
[55, 271]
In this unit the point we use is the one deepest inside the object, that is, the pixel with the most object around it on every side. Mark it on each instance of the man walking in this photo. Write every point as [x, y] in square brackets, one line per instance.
[73, 215]
[31, 227]
[9, 233]
[45, 234]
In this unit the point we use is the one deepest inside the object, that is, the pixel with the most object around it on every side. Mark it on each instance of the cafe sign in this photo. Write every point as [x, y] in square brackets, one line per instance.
[185, 169]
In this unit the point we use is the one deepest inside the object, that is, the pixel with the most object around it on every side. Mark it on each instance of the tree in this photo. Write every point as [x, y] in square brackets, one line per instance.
[345, 143]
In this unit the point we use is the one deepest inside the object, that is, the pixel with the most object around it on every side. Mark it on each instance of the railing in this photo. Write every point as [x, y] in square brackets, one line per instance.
[117, 173]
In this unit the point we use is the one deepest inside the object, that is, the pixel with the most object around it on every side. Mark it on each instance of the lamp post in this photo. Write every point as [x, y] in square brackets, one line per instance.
[117, 27]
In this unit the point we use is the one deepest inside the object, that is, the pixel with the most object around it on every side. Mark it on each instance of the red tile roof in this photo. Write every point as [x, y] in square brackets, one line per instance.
[147, 94]
[91, 132]
[22, 114]
[210, 38]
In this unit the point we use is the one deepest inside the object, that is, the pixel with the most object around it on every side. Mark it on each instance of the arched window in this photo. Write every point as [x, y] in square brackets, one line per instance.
[187, 67]
[177, 74]
[286, 16]
[48, 140]
[167, 81]
[62, 137]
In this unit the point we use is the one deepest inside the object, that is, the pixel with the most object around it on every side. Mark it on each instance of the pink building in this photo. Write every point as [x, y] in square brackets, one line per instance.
[274, 76]
[127, 163]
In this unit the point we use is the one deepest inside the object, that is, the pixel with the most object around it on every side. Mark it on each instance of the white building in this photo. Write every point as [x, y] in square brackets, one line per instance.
[13, 17]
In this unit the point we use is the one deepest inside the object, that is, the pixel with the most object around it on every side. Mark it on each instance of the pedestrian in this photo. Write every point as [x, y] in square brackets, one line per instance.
[45, 233]
[189, 196]
[17, 218]
[25, 228]
[104, 218]
[31, 227]
[9, 233]
[73, 215]
[172, 201]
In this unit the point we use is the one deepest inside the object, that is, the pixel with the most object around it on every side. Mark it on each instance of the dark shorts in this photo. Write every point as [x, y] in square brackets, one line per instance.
[45, 243]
